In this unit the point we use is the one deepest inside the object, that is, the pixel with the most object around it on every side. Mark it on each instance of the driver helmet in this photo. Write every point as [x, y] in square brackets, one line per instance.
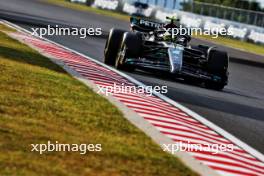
[171, 22]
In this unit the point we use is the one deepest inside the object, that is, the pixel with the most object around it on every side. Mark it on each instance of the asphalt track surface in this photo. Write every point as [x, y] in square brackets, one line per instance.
[239, 108]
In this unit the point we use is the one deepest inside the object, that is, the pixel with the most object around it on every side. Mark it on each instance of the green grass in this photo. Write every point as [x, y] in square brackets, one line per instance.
[81, 7]
[6, 29]
[249, 47]
[39, 102]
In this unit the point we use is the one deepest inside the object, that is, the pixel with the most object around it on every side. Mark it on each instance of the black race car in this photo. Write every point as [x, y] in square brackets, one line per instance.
[149, 46]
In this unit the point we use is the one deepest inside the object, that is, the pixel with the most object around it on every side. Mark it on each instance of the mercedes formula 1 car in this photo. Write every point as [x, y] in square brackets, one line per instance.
[150, 46]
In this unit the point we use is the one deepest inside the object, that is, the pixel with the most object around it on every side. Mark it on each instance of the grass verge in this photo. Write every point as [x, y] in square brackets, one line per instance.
[39, 102]
[248, 47]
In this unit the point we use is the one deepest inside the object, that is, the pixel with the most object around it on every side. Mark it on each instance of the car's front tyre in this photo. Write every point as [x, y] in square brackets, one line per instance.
[112, 45]
[130, 48]
[217, 65]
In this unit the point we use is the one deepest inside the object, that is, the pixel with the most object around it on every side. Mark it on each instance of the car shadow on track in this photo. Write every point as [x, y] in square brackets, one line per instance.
[169, 77]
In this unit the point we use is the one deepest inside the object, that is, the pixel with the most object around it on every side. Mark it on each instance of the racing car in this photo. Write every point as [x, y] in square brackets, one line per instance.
[150, 46]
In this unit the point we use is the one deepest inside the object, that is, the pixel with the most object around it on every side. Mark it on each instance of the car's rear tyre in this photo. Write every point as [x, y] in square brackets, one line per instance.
[217, 65]
[112, 45]
[130, 48]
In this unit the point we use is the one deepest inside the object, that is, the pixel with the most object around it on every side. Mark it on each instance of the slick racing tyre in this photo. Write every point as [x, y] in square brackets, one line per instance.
[112, 44]
[217, 65]
[130, 48]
